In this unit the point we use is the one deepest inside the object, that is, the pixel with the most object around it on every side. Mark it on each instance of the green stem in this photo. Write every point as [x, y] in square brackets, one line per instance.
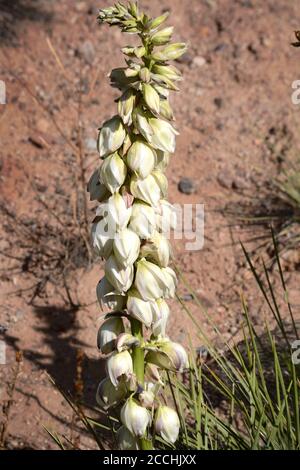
[139, 370]
[138, 353]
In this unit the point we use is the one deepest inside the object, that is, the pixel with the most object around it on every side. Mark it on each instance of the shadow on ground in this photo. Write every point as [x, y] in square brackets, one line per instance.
[13, 12]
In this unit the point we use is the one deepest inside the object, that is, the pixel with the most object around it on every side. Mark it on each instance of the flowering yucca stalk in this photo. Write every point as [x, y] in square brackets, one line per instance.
[129, 232]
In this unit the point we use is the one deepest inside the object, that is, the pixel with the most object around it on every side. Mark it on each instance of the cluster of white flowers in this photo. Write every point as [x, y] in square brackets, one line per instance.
[129, 232]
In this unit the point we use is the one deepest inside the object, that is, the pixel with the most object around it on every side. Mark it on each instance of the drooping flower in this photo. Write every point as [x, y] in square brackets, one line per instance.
[113, 172]
[108, 333]
[111, 136]
[141, 158]
[119, 365]
[135, 417]
[167, 423]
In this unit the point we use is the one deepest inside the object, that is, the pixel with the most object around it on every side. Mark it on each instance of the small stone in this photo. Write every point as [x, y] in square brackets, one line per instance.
[187, 297]
[186, 186]
[186, 59]
[218, 102]
[199, 61]
[87, 51]
[225, 179]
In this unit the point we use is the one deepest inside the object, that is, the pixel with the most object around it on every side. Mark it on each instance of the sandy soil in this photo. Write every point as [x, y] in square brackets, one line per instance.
[238, 129]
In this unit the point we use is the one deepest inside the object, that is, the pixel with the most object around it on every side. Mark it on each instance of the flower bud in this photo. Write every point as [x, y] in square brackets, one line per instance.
[113, 172]
[108, 333]
[166, 218]
[151, 97]
[146, 189]
[145, 75]
[153, 24]
[169, 356]
[135, 417]
[116, 213]
[169, 71]
[162, 91]
[167, 423]
[111, 136]
[126, 341]
[149, 280]
[143, 220]
[162, 182]
[98, 192]
[159, 326]
[125, 440]
[141, 159]
[126, 247]
[171, 52]
[166, 110]
[107, 296]
[146, 398]
[125, 105]
[144, 311]
[163, 137]
[108, 395]
[101, 238]
[170, 282]
[162, 160]
[162, 37]
[156, 249]
[119, 365]
[120, 278]
[142, 124]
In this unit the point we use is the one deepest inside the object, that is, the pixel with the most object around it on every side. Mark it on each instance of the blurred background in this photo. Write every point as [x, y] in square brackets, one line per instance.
[237, 153]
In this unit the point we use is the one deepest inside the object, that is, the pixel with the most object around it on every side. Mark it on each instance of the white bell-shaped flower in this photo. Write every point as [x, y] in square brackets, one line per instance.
[167, 423]
[107, 296]
[157, 249]
[119, 277]
[169, 356]
[147, 189]
[151, 97]
[119, 366]
[141, 158]
[108, 395]
[108, 333]
[111, 136]
[135, 417]
[170, 281]
[113, 172]
[101, 238]
[159, 326]
[143, 220]
[163, 137]
[126, 247]
[116, 213]
[144, 311]
[150, 281]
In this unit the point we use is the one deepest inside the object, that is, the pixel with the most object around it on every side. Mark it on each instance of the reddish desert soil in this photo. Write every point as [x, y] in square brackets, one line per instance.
[238, 129]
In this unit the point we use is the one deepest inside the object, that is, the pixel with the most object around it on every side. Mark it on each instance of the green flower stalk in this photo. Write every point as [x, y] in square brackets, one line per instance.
[129, 232]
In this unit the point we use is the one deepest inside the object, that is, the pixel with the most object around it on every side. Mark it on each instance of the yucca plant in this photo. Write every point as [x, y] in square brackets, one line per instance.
[130, 229]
